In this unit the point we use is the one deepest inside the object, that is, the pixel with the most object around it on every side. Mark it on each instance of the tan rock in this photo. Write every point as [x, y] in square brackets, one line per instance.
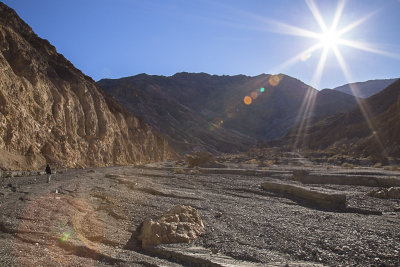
[51, 112]
[181, 224]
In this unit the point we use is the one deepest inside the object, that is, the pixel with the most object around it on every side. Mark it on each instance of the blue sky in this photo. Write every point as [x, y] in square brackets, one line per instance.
[117, 38]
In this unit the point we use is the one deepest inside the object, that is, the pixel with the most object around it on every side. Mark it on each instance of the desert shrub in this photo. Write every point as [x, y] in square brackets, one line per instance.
[252, 161]
[179, 171]
[378, 165]
[348, 165]
[391, 168]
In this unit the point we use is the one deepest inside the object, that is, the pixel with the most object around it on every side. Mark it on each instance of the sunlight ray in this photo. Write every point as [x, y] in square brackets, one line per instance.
[287, 29]
[363, 108]
[317, 15]
[304, 116]
[310, 99]
[296, 58]
[338, 14]
[320, 68]
[365, 47]
[280, 27]
[356, 23]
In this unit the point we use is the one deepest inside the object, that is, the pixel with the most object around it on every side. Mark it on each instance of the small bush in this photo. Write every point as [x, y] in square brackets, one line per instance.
[378, 165]
[179, 171]
[348, 165]
[391, 168]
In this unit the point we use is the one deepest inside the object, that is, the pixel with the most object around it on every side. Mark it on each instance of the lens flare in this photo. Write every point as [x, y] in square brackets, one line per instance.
[254, 95]
[247, 100]
[274, 80]
[262, 89]
[65, 236]
[305, 56]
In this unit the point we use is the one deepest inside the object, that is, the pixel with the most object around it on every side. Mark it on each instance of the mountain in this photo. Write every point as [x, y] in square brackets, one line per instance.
[51, 112]
[372, 128]
[365, 89]
[198, 109]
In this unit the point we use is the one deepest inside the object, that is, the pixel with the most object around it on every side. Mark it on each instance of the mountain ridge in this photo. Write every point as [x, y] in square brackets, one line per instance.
[365, 89]
[218, 101]
[370, 129]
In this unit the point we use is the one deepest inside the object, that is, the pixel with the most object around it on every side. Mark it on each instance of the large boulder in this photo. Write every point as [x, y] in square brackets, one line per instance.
[181, 224]
[200, 159]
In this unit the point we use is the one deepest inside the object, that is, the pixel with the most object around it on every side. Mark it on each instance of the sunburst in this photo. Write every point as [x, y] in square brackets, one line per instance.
[329, 39]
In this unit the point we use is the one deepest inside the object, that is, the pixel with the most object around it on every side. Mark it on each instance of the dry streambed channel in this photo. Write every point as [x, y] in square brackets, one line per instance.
[283, 216]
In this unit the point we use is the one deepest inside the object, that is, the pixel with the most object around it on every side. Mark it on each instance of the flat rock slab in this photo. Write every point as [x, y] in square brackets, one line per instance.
[323, 198]
[199, 256]
[343, 179]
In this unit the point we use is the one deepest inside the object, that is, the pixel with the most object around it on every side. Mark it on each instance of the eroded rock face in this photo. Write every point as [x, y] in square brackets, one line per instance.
[181, 224]
[51, 112]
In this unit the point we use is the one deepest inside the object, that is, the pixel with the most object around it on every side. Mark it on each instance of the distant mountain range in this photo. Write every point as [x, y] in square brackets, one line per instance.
[202, 110]
[365, 89]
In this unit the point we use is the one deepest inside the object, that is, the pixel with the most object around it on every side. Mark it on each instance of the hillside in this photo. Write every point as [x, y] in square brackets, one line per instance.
[198, 109]
[365, 89]
[51, 112]
[352, 133]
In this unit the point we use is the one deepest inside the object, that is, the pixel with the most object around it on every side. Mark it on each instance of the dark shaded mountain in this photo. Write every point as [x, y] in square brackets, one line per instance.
[372, 128]
[365, 89]
[198, 109]
[51, 112]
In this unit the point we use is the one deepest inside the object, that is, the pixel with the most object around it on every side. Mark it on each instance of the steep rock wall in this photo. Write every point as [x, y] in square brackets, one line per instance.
[51, 112]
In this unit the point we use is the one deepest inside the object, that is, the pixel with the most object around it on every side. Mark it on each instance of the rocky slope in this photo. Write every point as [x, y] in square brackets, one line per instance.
[198, 109]
[51, 112]
[372, 128]
[365, 89]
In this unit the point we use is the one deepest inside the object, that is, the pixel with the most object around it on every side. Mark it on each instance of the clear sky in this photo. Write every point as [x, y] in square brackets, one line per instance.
[117, 38]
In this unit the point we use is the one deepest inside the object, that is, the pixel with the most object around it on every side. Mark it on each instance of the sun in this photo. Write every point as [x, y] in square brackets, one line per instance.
[329, 39]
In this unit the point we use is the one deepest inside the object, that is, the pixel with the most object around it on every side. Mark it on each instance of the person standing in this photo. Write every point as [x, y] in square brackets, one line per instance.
[48, 172]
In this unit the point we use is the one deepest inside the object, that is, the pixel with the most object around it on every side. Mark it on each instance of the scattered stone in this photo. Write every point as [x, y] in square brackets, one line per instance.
[181, 224]
[218, 214]
[114, 176]
[391, 193]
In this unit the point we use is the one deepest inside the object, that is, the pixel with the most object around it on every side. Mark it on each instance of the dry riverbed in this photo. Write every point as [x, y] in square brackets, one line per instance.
[91, 217]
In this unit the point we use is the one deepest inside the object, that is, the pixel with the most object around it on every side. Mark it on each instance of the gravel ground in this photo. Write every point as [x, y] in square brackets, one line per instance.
[91, 217]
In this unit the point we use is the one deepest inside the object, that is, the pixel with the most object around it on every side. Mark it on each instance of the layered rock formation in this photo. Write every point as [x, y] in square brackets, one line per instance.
[51, 112]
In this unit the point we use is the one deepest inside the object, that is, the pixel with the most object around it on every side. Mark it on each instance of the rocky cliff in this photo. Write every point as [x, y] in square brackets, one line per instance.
[51, 112]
